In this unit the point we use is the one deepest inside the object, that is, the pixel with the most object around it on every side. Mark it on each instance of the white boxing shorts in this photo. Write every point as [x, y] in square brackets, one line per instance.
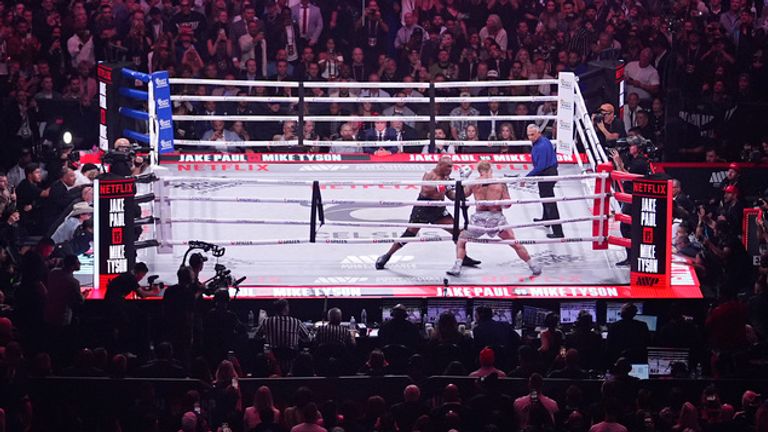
[485, 219]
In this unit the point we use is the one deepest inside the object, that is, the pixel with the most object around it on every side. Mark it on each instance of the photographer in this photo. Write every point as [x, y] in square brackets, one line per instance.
[122, 159]
[607, 126]
[634, 163]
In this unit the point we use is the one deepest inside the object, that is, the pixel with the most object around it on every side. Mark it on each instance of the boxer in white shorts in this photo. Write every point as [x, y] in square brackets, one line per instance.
[488, 217]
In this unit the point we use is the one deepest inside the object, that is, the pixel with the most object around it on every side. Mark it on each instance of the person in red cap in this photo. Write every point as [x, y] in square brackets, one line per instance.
[487, 364]
[731, 209]
[732, 176]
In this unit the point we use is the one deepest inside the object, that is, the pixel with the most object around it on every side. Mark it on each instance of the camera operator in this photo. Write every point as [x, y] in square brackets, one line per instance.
[179, 312]
[196, 263]
[607, 126]
[128, 322]
[634, 163]
[122, 159]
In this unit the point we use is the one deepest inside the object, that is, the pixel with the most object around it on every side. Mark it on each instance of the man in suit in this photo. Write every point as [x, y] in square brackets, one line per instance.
[380, 133]
[403, 132]
[490, 129]
[310, 21]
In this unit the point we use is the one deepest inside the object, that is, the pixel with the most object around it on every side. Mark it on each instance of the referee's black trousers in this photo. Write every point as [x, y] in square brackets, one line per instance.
[547, 190]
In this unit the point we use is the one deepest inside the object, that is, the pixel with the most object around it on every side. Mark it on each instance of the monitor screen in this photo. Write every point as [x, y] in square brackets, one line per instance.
[435, 308]
[640, 371]
[569, 311]
[660, 360]
[502, 311]
[649, 320]
[413, 312]
[534, 317]
[613, 311]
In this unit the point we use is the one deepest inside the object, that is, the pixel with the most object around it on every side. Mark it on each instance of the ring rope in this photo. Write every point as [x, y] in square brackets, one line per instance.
[270, 242]
[360, 99]
[381, 224]
[500, 83]
[328, 143]
[326, 118]
[389, 203]
[245, 83]
[248, 180]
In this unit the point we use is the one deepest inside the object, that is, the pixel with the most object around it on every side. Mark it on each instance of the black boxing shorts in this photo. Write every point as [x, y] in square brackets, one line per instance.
[428, 215]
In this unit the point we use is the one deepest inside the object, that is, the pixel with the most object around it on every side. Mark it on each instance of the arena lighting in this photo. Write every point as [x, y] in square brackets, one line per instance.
[66, 137]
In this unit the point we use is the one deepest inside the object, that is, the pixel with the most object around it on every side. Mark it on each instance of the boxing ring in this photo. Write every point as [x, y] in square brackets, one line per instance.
[313, 225]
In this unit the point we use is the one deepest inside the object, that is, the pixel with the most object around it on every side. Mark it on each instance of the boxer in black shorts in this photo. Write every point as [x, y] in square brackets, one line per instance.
[429, 215]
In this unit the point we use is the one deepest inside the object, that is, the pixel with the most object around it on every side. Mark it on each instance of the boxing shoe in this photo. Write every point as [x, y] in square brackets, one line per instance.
[469, 262]
[382, 261]
[455, 270]
[535, 268]
[554, 236]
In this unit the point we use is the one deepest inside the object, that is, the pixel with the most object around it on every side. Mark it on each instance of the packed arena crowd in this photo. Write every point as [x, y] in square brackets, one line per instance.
[703, 58]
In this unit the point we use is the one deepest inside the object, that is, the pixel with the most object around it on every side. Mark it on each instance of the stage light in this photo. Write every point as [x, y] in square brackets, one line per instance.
[66, 137]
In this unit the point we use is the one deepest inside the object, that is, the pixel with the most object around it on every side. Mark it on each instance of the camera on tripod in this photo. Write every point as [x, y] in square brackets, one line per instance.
[221, 280]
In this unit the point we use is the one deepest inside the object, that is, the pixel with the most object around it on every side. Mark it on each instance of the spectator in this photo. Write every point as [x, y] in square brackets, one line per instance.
[494, 29]
[86, 174]
[380, 133]
[488, 332]
[219, 133]
[31, 198]
[310, 21]
[398, 330]
[525, 406]
[64, 294]
[407, 412]
[610, 424]
[641, 77]
[627, 337]
[163, 366]
[587, 342]
[221, 327]
[262, 404]
[487, 365]
[459, 127]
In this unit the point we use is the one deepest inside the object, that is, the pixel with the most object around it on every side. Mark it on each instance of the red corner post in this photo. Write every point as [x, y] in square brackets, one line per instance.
[601, 206]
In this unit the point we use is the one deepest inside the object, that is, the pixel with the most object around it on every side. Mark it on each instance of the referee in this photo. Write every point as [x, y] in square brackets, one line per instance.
[281, 330]
[545, 164]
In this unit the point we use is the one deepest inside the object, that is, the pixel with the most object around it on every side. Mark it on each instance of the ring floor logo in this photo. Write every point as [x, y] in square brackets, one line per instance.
[333, 280]
[204, 186]
[324, 168]
[356, 262]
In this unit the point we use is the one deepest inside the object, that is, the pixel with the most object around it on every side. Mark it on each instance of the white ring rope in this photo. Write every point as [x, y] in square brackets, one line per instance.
[390, 203]
[364, 85]
[225, 221]
[327, 143]
[500, 83]
[248, 180]
[197, 98]
[270, 242]
[244, 83]
[360, 99]
[349, 84]
[351, 118]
